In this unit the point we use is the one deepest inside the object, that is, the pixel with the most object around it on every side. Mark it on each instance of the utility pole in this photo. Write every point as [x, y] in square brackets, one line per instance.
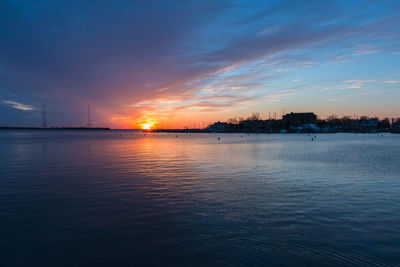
[89, 121]
[44, 122]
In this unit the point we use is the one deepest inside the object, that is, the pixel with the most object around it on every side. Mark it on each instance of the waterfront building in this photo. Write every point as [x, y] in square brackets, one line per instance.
[369, 126]
[396, 126]
[272, 126]
[298, 119]
[218, 127]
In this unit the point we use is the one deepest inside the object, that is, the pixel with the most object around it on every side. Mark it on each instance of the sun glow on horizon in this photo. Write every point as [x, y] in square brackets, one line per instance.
[146, 126]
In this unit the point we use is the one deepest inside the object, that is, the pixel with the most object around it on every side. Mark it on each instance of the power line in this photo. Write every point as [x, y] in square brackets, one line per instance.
[44, 121]
[89, 121]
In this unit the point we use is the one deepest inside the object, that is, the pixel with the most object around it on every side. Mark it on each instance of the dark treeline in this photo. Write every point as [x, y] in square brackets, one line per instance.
[305, 122]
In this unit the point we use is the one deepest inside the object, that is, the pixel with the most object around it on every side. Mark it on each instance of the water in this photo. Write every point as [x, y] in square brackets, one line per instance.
[125, 198]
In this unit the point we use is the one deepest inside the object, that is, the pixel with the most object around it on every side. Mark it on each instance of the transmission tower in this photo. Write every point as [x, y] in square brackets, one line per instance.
[44, 122]
[89, 121]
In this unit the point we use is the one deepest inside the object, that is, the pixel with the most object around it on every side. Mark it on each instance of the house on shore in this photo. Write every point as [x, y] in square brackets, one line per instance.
[396, 126]
[369, 126]
[218, 127]
[297, 120]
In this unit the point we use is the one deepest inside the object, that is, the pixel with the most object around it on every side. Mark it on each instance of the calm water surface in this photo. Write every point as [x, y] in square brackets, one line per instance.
[109, 198]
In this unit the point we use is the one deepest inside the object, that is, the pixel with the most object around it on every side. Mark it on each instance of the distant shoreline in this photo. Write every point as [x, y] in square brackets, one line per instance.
[176, 130]
[243, 132]
[56, 128]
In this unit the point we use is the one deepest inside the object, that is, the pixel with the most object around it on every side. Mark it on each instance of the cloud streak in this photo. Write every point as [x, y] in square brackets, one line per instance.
[17, 105]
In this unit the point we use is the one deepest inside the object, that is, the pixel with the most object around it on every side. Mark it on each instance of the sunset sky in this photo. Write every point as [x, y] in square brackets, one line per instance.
[185, 62]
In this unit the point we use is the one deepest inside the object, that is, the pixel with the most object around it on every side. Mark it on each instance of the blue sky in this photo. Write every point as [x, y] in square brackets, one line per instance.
[182, 62]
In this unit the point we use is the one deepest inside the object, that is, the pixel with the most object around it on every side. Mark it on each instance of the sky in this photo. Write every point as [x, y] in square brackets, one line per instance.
[174, 64]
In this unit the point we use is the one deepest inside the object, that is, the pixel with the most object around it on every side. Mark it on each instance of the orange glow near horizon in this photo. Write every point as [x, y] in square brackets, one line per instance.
[146, 126]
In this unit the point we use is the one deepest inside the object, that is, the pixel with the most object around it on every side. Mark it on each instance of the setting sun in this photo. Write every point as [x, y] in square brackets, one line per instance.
[146, 126]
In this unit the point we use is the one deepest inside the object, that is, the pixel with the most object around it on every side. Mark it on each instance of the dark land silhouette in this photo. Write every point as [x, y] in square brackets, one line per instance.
[306, 122]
